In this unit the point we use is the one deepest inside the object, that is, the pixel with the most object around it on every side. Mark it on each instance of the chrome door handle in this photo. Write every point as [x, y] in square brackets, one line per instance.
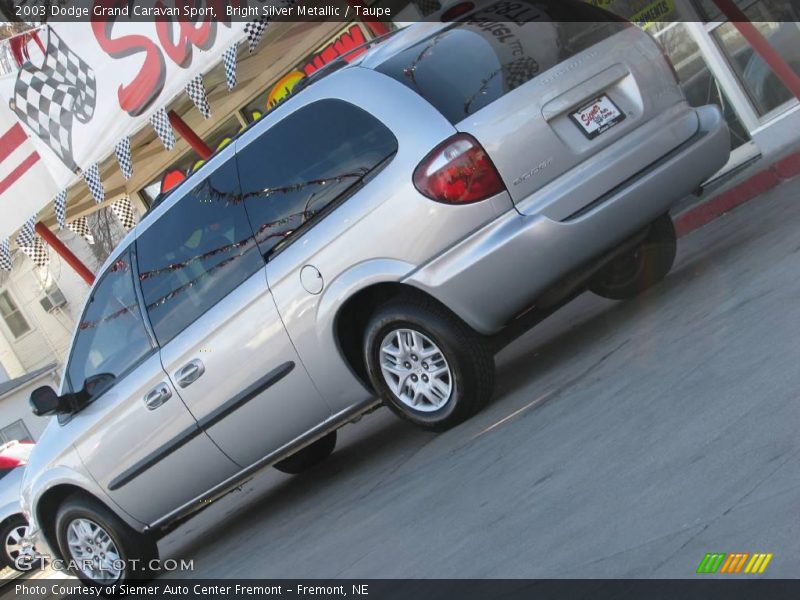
[190, 372]
[157, 396]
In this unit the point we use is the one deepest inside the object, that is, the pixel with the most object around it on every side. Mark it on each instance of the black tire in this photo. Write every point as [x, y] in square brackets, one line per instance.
[308, 457]
[635, 271]
[135, 549]
[12, 526]
[470, 360]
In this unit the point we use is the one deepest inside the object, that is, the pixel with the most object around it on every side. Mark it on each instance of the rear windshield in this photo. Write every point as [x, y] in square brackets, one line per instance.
[495, 49]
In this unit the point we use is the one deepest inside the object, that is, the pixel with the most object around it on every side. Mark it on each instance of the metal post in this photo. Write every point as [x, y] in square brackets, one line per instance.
[187, 133]
[760, 44]
[73, 261]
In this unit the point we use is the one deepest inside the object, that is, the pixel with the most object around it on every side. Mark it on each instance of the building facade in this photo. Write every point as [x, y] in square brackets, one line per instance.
[39, 307]
[17, 422]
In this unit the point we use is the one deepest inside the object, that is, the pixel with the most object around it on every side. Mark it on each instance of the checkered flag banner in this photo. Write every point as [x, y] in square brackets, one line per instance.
[160, 122]
[81, 227]
[26, 234]
[5, 256]
[229, 62]
[60, 206]
[37, 252]
[254, 30]
[92, 178]
[124, 211]
[48, 97]
[196, 91]
[123, 153]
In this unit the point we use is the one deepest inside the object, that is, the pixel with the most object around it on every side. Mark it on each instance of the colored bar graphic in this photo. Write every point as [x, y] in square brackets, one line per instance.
[758, 563]
[733, 563]
[711, 562]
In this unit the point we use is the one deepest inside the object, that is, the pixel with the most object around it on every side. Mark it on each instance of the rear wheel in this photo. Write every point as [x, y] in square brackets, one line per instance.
[427, 364]
[640, 268]
[101, 549]
[308, 457]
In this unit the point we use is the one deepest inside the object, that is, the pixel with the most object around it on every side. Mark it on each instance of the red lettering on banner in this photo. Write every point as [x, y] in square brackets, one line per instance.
[350, 39]
[190, 34]
[137, 96]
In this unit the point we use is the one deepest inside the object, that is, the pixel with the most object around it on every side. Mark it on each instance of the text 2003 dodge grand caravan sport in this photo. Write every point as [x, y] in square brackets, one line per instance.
[364, 238]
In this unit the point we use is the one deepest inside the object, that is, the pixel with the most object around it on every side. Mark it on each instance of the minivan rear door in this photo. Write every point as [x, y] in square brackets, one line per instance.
[545, 87]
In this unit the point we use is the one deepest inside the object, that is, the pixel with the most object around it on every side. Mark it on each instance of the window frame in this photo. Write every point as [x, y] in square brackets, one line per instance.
[24, 426]
[17, 310]
[130, 252]
[358, 184]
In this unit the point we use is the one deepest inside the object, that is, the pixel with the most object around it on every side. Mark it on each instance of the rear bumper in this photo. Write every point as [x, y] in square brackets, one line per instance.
[488, 278]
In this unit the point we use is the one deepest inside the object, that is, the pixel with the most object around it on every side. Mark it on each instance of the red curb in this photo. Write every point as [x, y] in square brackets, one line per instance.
[752, 187]
[788, 167]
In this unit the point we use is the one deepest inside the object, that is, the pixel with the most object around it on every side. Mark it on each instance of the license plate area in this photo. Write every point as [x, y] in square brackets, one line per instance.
[597, 116]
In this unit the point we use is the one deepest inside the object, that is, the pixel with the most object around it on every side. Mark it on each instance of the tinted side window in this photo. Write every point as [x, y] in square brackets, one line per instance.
[111, 335]
[496, 49]
[196, 253]
[304, 163]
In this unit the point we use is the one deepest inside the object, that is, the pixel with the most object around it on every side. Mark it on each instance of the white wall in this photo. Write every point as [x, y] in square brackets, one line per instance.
[50, 335]
[15, 405]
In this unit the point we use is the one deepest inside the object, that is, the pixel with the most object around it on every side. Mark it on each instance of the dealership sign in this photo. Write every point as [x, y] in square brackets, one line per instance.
[98, 82]
[83, 87]
[342, 44]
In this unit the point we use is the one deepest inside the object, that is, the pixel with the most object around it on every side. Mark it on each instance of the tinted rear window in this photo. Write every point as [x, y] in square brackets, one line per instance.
[303, 166]
[496, 49]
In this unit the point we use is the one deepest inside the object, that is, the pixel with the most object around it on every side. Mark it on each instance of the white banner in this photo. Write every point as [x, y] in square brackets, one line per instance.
[94, 84]
[25, 181]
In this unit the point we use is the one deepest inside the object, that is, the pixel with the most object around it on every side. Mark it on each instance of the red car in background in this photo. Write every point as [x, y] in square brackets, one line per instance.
[13, 526]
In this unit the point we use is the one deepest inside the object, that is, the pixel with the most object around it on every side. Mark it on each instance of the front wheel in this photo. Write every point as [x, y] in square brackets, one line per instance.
[640, 268]
[12, 533]
[427, 364]
[100, 548]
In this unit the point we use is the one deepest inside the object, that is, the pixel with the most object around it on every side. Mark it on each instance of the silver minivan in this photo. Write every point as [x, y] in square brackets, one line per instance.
[365, 242]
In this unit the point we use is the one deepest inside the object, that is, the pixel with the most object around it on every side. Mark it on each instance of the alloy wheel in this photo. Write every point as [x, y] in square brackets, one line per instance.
[13, 542]
[416, 370]
[94, 551]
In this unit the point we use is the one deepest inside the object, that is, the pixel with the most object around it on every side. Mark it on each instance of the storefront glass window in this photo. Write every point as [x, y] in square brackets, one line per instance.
[777, 21]
[698, 83]
[763, 87]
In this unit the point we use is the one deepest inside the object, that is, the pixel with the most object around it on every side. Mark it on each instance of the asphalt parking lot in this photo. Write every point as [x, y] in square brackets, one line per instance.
[626, 440]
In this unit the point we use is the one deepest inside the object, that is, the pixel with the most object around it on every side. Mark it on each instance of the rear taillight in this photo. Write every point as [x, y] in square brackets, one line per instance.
[458, 171]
